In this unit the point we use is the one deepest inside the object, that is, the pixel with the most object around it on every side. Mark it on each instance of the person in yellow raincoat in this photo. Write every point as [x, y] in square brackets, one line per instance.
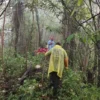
[58, 59]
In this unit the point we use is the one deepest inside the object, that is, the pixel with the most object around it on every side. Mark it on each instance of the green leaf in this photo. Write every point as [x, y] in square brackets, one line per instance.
[83, 40]
[68, 1]
[73, 12]
[70, 37]
[79, 3]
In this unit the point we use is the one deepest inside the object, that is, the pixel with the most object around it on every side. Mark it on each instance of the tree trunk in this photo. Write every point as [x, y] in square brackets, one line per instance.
[35, 41]
[69, 28]
[98, 51]
[4, 71]
[38, 25]
[18, 23]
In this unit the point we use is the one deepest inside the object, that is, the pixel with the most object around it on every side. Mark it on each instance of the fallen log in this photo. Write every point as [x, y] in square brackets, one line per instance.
[21, 80]
[29, 72]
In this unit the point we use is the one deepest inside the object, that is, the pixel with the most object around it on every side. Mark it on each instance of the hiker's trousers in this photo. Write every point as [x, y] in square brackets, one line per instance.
[54, 82]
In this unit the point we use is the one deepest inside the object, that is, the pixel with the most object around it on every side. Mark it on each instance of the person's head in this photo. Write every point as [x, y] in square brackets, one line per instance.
[58, 43]
[51, 38]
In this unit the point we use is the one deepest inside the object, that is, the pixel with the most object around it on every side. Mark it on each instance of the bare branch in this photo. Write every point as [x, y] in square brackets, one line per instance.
[90, 18]
[5, 8]
[80, 24]
[96, 2]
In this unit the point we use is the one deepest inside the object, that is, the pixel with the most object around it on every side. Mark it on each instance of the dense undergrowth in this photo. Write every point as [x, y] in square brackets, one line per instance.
[33, 88]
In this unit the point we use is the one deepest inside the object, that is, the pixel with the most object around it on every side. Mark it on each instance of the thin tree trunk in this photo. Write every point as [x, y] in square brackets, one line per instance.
[38, 24]
[16, 27]
[69, 28]
[95, 45]
[98, 51]
[3, 44]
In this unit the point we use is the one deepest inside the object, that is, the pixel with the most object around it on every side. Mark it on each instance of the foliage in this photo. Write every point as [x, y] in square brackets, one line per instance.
[72, 89]
[14, 65]
[70, 38]
[35, 60]
[53, 13]
[75, 89]
[79, 2]
[28, 91]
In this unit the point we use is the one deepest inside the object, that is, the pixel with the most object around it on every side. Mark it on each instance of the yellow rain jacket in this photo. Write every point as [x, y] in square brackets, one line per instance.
[57, 56]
